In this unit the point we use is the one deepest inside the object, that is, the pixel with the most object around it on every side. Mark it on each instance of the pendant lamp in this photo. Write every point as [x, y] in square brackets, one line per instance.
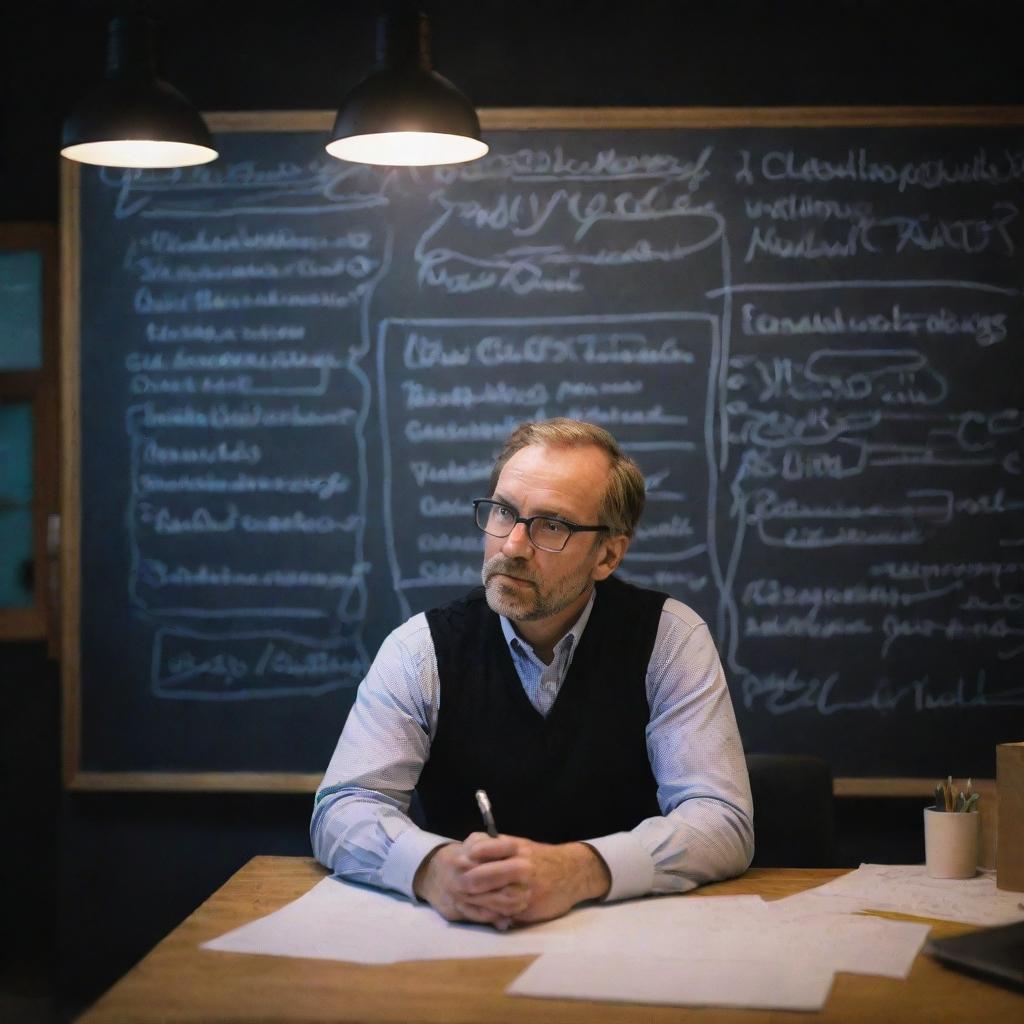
[405, 113]
[135, 119]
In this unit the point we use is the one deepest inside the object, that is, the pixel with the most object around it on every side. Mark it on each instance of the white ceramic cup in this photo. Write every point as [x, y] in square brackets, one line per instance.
[951, 843]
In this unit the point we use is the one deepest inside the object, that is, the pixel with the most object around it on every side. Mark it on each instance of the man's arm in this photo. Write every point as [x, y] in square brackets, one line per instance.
[706, 832]
[360, 826]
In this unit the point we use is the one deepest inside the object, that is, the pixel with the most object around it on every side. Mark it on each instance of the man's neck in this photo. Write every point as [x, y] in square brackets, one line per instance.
[543, 635]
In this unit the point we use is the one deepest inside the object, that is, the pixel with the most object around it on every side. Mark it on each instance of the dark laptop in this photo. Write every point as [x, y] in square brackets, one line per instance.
[996, 954]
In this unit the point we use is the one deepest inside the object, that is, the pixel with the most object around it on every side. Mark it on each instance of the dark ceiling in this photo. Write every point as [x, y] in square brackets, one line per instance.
[231, 55]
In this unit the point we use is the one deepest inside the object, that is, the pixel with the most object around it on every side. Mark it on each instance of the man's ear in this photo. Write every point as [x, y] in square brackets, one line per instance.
[614, 550]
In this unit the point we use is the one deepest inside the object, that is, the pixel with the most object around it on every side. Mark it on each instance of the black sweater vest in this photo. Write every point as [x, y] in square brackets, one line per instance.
[580, 773]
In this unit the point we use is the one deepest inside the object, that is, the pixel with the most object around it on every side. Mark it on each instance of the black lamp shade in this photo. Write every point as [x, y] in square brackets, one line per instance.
[131, 112]
[406, 113]
[406, 100]
[135, 119]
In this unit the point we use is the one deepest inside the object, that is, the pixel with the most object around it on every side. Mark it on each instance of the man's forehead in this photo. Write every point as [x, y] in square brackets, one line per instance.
[577, 474]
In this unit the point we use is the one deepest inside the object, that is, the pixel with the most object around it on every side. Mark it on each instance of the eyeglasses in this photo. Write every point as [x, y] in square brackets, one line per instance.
[545, 532]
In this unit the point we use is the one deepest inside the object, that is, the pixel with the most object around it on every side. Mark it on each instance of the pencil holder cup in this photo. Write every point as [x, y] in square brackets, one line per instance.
[950, 843]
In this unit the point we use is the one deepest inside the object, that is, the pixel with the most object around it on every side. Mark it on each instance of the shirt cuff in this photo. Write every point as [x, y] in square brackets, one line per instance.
[629, 864]
[404, 858]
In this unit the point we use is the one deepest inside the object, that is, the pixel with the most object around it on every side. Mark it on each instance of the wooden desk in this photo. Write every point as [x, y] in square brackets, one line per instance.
[178, 981]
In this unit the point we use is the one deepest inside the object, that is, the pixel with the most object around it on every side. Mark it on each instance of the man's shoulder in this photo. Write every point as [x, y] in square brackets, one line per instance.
[412, 634]
[682, 615]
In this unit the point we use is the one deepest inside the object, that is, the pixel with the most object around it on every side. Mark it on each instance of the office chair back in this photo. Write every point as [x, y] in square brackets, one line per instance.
[794, 815]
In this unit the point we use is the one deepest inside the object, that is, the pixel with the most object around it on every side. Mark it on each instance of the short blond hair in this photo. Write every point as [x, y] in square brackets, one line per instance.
[623, 501]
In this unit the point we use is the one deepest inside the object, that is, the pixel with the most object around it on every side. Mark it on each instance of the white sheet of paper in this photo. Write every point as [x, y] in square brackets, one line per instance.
[844, 942]
[662, 926]
[907, 889]
[679, 982]
[339, 921]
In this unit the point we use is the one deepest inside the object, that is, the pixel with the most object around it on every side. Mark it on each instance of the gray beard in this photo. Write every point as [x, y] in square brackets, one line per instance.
[526, 608]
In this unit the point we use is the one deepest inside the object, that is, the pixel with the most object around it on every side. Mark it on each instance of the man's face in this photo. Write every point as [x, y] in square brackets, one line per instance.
[524, 583]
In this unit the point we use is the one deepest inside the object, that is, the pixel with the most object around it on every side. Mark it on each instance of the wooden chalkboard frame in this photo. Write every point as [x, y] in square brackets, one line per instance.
[493, 119]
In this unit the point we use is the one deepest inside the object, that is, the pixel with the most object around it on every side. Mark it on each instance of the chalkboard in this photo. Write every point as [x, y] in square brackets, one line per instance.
[293, 374]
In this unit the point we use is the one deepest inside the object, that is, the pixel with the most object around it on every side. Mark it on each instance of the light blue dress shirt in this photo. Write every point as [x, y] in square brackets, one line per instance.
[361, 829]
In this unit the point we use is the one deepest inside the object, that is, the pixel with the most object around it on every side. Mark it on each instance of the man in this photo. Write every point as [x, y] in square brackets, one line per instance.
[595, 714]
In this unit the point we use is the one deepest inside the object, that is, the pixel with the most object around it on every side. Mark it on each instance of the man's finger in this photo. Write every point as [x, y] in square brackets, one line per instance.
[495, 874]
[478, 914]
[480, 847]
[513, 899]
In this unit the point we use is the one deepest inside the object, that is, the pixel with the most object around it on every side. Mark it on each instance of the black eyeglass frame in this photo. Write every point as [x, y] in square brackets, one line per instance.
[528, 522]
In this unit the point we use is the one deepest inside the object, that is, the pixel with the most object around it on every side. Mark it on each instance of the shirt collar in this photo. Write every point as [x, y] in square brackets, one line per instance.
[567, 643]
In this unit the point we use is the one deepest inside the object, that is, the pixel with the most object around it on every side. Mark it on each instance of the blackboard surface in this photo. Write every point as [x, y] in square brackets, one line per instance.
[295, 373]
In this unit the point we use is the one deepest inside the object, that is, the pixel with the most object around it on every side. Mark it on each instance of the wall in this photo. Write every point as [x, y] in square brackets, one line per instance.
[131, 866]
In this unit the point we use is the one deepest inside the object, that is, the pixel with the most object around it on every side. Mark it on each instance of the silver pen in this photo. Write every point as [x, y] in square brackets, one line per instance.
[485, 812]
